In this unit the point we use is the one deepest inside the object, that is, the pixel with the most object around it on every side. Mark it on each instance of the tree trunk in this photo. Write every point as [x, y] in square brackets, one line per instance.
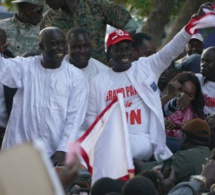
[158, 18]
[189, 8]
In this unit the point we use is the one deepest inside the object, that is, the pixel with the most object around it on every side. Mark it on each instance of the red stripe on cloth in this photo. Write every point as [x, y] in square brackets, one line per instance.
[86, 159]
[99, 117]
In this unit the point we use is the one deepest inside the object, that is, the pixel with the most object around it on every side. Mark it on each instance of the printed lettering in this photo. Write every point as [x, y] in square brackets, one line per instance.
[134, 118]
[209, 101]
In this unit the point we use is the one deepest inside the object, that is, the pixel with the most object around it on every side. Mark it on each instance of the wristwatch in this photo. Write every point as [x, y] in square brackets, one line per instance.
[199, 178]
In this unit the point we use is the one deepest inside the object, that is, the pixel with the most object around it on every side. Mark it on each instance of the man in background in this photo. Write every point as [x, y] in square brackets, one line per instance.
[92, 15]
[22, 29]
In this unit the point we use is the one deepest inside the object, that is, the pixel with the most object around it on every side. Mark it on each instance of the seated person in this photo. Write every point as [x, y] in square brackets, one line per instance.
[195, 152]
[191, 86]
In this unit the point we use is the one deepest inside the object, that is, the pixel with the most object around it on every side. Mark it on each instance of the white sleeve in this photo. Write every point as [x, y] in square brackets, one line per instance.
[11, 71]
[92, 108]
[162, 59]
[76, 111]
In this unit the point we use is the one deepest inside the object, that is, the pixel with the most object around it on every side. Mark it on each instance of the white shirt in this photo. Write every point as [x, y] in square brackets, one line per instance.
[50, 104]
[93, 68]
[144, 76]
[208, 91]
[136, 114]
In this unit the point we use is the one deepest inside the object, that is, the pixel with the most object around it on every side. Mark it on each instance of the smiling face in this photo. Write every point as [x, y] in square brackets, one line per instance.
[194, 46]
[79, 49]
[53, 47]
[208, 64]
[121, 56]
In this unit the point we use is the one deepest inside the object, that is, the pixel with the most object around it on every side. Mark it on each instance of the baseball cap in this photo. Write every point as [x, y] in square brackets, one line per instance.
[198, 37]
[37, 2]
[197, 129]
[117, 36]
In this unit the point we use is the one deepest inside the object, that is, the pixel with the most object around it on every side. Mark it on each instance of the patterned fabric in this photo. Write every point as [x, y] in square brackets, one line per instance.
[179, 118]
[92, 15]
[22, 37]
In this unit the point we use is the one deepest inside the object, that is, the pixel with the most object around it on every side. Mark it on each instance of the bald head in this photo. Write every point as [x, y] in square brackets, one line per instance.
[208, 64]
[44, 33]
[52, 43]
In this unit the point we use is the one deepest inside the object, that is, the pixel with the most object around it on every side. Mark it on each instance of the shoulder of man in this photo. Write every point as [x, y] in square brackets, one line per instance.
[76, 72]
[98, 64]
[201, 78]
[49, 13]
[49, 16]
[6, 23]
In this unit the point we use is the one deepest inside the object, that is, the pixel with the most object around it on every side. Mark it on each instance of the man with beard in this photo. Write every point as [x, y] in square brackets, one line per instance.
[22, 29]
[80, 53]
[93, 15]
[50, 102]
[137, 82]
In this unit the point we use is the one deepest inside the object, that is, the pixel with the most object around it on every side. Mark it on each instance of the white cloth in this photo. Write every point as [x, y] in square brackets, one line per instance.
[208, 91]
[93, 68]
[136, 115]
[101, 139]
[144, 76]
[50, 104]
[3, 111]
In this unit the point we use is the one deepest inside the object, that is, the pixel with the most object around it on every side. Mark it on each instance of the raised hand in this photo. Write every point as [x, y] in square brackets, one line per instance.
[204, 18]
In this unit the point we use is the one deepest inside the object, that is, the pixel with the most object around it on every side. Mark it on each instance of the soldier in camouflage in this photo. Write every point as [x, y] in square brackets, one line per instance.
[92, 15]
[22, 29]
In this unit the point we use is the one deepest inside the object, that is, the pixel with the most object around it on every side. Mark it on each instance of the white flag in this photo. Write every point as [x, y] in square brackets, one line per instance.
[105, 146]
[205, 21]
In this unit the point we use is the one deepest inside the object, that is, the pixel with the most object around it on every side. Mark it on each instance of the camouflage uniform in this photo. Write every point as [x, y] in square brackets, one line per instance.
[92, 15]
[22, 37]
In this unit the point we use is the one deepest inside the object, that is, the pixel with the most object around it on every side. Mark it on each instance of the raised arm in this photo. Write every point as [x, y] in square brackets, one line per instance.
[11, 71]
[117, 16]
[161, 60]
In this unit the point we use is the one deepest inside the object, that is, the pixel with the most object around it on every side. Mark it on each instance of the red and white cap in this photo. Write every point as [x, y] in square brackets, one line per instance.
[117, 36]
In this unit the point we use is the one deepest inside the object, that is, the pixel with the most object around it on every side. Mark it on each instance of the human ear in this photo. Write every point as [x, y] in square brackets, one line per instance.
[41, 46]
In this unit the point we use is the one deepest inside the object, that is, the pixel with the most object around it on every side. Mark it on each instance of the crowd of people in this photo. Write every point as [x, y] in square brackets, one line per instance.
[56, 78]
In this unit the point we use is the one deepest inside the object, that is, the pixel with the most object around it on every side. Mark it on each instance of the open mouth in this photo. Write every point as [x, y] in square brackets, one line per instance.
[59, 55]
[83, 58]
[125, 60]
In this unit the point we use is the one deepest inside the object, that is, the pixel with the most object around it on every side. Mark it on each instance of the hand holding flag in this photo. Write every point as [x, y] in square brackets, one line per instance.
[204, 18]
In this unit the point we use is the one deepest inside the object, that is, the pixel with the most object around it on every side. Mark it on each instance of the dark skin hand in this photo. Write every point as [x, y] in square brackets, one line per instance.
[200, 11]
[165, 185]
[169, 125]
[182, 101]
[70, 172]
[58, 158]
[209, 172]
[3, 47]
[173, 90]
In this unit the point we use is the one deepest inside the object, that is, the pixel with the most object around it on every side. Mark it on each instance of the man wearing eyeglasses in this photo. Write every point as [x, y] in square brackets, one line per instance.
[22, 29]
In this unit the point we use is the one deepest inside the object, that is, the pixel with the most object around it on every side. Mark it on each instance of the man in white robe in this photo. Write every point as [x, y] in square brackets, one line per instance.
[50, 103]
